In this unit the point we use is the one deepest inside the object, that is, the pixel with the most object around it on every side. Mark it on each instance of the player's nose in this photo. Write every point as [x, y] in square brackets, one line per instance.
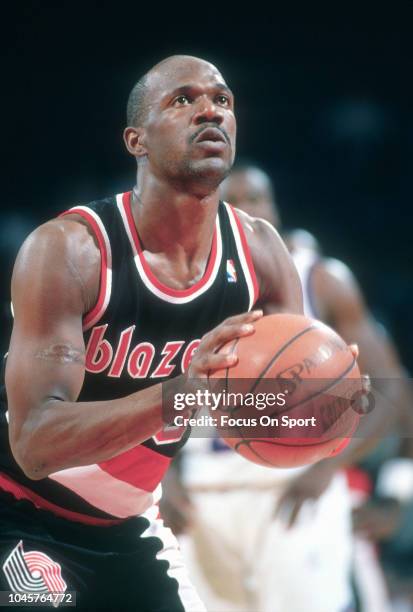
[208, 111]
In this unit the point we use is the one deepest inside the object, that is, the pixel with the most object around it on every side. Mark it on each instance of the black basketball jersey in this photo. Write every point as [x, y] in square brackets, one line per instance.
[139, 333]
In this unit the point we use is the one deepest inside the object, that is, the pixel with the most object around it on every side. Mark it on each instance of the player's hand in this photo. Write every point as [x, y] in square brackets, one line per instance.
[363, 402]
[207, 358]
[306, 486]
[175, 505]
[377, 520]
[354, 350]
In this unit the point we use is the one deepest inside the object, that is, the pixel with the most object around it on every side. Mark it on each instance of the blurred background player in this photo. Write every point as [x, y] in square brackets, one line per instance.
[274, 540]
[332, 294]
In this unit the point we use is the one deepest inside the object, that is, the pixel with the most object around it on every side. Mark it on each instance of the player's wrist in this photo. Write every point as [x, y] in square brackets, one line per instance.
[181, 396]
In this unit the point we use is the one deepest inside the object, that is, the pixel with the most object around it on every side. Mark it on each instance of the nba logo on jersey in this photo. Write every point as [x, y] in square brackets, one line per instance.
[231, 271]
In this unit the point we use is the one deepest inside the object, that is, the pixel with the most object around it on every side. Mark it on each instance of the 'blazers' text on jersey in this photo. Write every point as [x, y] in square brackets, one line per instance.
[139, 333]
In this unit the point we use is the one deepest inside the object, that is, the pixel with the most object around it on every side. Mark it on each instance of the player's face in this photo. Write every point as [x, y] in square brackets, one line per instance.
[190, 128]
[249, 191]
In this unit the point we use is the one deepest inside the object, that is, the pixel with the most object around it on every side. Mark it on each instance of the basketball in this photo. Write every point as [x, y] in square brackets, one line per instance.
[290, 399]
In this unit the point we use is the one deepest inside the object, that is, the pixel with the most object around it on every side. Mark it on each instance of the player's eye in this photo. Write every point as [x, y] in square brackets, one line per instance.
[181, 100]
[222, 100]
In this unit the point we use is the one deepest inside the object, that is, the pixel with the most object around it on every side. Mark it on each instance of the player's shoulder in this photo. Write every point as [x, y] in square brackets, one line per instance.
[258, 230]
[73, 231]
[267, 248]
[62, 235]
[59, 256]
[62, 253]
[332, 270]
[336, 288]
[278, 280]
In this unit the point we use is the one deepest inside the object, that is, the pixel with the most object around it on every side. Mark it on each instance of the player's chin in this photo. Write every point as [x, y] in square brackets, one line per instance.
[217, 167]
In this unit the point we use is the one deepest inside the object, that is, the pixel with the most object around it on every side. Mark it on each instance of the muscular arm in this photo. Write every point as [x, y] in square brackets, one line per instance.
[278, 280]
[55, 282]
[341, 304]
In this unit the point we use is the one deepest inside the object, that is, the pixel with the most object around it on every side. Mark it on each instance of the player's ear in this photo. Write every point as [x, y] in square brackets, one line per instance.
[135, 139]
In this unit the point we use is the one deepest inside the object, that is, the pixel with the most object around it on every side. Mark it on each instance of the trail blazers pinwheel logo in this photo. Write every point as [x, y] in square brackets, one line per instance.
[33, 572]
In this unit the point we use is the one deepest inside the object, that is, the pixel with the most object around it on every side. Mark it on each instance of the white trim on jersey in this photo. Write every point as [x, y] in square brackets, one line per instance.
[171, 553]
[147, 281]
[241, 255]
[104, 491]
[107, 270]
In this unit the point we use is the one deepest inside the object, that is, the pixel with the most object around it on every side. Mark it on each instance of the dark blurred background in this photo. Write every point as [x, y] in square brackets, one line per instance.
[324, 104]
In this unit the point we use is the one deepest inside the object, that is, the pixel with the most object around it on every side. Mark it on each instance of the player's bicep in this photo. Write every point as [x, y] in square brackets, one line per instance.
[280, 286]
[348, 313]
[46, 354]
[374, 357]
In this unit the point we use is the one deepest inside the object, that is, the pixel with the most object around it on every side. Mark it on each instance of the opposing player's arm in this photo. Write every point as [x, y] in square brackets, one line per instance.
[55, 282]
[340, 303]
[342, 306]
[278, 280]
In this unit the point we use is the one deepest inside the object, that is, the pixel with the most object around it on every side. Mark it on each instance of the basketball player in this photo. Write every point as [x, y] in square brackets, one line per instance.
[301, 560]
[332, 294]
[116, 303]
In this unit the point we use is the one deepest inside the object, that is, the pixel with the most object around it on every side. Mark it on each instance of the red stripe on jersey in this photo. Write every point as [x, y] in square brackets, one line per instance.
[168, 290]
[97, 310]
[247, 254]
[20, 492]
[140, 467]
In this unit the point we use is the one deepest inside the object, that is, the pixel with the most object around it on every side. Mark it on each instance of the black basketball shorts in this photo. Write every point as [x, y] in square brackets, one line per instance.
[134, 565]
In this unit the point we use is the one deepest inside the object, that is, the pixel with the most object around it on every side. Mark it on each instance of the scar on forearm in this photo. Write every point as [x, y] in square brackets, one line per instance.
[62, 353]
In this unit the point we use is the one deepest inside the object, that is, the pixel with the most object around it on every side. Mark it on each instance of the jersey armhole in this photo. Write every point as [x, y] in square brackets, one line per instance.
[244, 254]
[105, 286]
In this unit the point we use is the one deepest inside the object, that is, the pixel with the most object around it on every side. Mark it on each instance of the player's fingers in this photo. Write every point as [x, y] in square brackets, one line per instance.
[231, 328]
[218, 361]
[366, 383]
[230, 332]
[252, 315]
[354, 350]
[203, 363]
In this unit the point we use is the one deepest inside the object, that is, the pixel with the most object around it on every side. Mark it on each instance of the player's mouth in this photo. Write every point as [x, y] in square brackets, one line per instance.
[211, 136]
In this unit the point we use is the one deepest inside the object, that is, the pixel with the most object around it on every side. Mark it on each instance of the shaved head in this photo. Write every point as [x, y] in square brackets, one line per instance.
[138, 101]
[181, 124]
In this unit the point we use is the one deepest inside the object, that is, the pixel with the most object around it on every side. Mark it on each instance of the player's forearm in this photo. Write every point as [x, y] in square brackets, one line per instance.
[62, 434]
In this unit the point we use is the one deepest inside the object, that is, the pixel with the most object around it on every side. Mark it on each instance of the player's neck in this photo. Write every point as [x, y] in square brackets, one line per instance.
[166, 217]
